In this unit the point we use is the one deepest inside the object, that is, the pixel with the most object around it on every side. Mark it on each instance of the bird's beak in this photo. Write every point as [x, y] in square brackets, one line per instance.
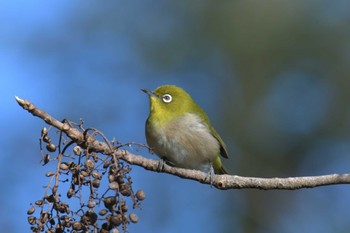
[150, 93]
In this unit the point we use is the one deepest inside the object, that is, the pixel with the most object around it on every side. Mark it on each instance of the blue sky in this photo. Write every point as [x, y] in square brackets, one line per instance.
[51, 54]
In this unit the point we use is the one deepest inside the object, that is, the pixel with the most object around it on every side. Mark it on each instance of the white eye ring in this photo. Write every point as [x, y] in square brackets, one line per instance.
[167, 98]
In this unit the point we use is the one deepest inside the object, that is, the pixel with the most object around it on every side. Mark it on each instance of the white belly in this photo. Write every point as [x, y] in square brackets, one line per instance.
[185, 142]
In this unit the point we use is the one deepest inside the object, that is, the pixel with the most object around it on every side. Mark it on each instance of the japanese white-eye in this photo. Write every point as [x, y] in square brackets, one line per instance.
[180, 133]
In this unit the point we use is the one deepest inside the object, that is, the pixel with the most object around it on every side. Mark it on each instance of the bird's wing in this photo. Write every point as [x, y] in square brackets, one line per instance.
[223, 150]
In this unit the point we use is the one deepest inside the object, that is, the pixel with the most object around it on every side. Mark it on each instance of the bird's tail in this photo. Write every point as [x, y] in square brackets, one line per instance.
[219, 169]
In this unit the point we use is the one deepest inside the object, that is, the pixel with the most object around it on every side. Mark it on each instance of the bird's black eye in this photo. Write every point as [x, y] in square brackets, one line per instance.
[167, 98]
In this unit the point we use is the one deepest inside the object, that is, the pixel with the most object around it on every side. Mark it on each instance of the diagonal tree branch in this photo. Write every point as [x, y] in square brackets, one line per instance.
[219, 181]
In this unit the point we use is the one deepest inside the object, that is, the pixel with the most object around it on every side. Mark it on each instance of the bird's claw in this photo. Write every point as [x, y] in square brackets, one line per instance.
[161, 163]
[210, 176]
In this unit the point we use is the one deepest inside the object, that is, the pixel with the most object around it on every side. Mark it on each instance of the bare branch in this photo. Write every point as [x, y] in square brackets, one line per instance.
[219, 181]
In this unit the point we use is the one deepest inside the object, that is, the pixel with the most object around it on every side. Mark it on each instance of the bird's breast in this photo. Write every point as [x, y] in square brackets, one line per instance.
[185, 141]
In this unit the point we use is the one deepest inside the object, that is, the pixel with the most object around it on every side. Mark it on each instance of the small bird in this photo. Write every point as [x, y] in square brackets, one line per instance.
[180, 133]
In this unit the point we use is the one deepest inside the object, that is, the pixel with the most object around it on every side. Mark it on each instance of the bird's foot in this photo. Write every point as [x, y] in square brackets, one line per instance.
[161, 163]
[210, 175]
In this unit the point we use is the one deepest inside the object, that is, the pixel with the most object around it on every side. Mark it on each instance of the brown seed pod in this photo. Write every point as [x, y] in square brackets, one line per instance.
[74, 168]
[61, 207]
[44, 131]
[39, 202]
[109, 202]
[107, 164]
[114, 185]
[77, 226]
[66, 218]
[96, 183]
[46, 159]
[50, 147]
[115, 230]
[77, 150]
[46, 139]
[76, 180]
[89, 164]
[43, 217]
[115, 220]
[106, 227]
[125, 190]
[133, 218]
[64, 166]
[48, 174]
[32, 220]
[95, 157]
[140, 195]
[111, 178]
[85, 173]
[124, 208]
[113, 170]
[70, 193]
[67, 224]
[51, 230]
[120, 180]
[66, 208]
[103, 212]
[51, 198]
[96, 175]
[91, 204]
[31, 210]
[59, 228]
[52, 221]
[92, 216]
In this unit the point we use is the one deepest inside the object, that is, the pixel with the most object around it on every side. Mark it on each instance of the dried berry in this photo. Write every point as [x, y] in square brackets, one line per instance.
[64, 166]
[51, 147]
[51, 198]
[124, 208]
[111, 178]
[77, 150]
[48, 174]
[46, 159]
[39, 202]
[114, 185]
[70, 193]
[91, 204]
[46, 139]
[107, 164]
[96, 183]
[115, 230]
[77, 226]
[31, 210]
[125, 190]
[85, 173]
[109, 202]
[43, 217]
[44, 131]
[133, 218]
[103, 212]
[115, 220]
[92, 216]
[89, 164]
[106, 227]
[96, 175]
[140, 195]
[32, 220]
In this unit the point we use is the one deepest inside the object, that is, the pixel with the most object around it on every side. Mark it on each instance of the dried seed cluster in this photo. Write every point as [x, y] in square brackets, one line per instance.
[100, 208]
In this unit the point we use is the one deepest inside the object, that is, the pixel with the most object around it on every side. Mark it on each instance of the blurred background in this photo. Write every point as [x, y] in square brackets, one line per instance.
[273, 76]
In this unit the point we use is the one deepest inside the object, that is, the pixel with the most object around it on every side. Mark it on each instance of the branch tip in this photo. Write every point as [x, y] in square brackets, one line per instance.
[18, 99]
